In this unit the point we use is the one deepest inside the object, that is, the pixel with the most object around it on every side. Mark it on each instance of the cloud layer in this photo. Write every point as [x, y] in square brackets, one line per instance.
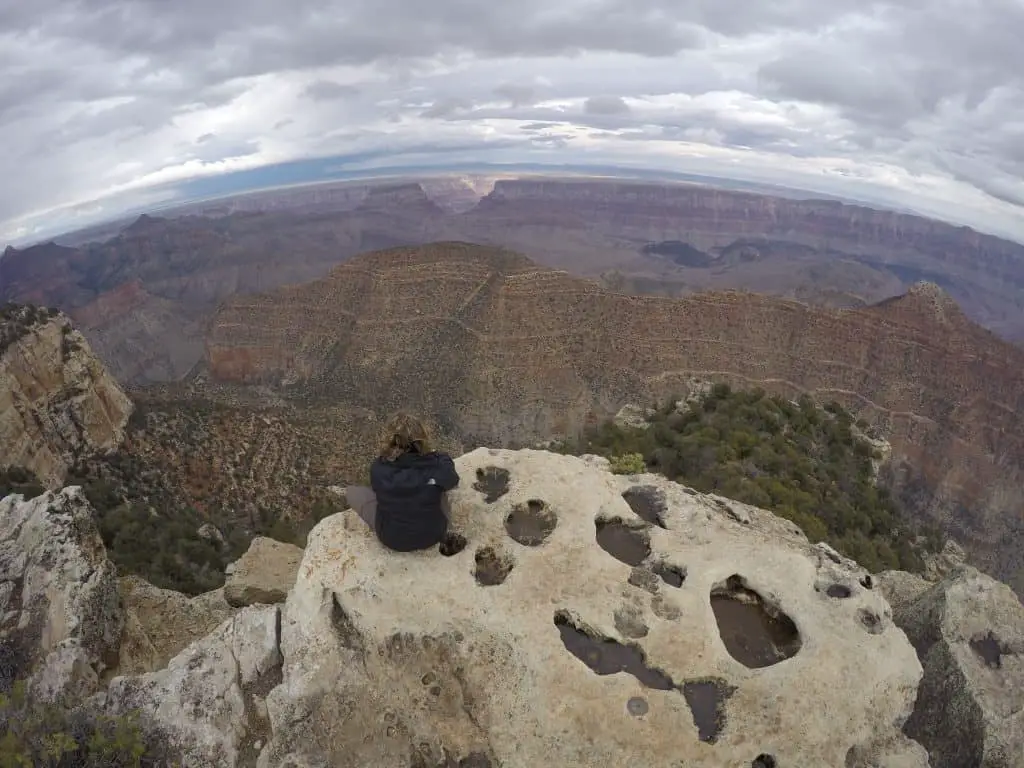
[110, 104]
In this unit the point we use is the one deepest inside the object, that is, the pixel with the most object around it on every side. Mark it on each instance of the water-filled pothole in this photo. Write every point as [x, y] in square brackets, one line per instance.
[673, 575]
[492, 482]
[452, 544]
[604, 656]
[838, 591]
[706, 699]
[987, 648]
[531, 523]
[764, 760]
[755, 633]
[627, 543]
[648, 502]
[492, 567]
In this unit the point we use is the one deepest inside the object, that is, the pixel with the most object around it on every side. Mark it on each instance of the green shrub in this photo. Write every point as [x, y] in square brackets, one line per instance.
[628, 464]
[41, 735]
[799, 460]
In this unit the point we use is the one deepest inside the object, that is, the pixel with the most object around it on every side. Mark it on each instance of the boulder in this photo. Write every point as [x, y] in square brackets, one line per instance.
[968, 631]
[161, 622]
[264, 574]
[591, 618]
[207, 706]
[62, 616]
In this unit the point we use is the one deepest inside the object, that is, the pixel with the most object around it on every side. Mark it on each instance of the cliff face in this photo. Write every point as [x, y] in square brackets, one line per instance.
[504, 351]
[57, 400]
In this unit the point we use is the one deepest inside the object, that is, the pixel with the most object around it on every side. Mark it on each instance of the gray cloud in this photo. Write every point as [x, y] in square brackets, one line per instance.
[100, 96]
[605, 105]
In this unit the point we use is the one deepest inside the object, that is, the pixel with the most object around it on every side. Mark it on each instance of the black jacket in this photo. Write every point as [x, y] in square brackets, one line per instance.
[408, 490]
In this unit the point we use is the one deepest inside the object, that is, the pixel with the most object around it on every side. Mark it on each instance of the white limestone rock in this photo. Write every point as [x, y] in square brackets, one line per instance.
[264, 574]
[62, 615]
[207, 705]
[395, 659]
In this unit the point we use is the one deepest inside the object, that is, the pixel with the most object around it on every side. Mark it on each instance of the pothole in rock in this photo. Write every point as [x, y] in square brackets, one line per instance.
[627, 543]
[605, 656]
[706, 699]
[764, 760]
[492, 567]
[836, 591]
[988, 650]
[531, 523]
[452, 544]
[673, 575]
[492, 482]
[648, 502]
[871, 621]
[755, 633]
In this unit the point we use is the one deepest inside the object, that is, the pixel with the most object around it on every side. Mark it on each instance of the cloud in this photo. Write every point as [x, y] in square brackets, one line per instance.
[108, 105]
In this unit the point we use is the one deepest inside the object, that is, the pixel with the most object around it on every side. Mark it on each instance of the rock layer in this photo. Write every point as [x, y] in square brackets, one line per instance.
[571, 656]
[57, 401]
[506, 352]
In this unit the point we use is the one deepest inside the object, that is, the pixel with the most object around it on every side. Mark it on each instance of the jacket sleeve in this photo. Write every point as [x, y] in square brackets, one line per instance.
[445, 474]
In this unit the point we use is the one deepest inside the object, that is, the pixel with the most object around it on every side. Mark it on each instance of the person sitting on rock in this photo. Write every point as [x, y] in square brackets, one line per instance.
[407, 503]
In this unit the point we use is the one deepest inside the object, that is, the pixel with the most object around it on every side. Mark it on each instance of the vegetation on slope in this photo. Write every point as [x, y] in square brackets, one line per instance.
[44, 735]
[16, 320]
[19, 480]
[808, 464]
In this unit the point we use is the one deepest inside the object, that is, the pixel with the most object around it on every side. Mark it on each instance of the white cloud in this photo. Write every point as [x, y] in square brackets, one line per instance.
[107, 105]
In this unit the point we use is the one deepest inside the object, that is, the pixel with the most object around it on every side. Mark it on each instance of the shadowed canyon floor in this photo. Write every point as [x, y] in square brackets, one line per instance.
[502, 351]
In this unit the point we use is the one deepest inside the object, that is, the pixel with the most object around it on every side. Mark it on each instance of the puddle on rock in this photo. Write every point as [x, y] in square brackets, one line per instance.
[492, 482]
[531, 523]
[754, 634]
[492, 567]
[987, 648]
[673, 575]
[605, 656]
[648, 502]
[838, 591]
[628, 544]
[706, 699]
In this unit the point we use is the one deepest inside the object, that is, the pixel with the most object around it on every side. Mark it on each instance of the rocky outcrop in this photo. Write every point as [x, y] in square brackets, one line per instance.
[264, 574]
[62, 616]
[590, 618]
[161, 622]
[207, 704]
[968, 631]
[57, 401]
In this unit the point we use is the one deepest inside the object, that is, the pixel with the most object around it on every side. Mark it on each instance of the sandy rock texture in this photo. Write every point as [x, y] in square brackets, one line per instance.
[590, 618]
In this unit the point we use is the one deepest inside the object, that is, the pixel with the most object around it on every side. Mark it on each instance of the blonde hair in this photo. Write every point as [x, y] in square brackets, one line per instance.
[404, 432]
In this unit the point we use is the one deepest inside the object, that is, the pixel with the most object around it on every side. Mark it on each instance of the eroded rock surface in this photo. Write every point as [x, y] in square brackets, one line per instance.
[57, 401]
[264, 574]
[161, 622]
[62, 615]
[208, 703]
[969, 633]
[575, 657]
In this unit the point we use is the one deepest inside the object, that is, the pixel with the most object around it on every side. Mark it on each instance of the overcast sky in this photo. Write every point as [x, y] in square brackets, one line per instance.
[109, 104]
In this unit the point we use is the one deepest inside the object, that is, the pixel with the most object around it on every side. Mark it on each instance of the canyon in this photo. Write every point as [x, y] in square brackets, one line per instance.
[144, 296]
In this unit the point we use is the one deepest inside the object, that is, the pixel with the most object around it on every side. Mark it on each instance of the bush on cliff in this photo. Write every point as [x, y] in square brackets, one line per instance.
[808, 464]
[34, 734]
